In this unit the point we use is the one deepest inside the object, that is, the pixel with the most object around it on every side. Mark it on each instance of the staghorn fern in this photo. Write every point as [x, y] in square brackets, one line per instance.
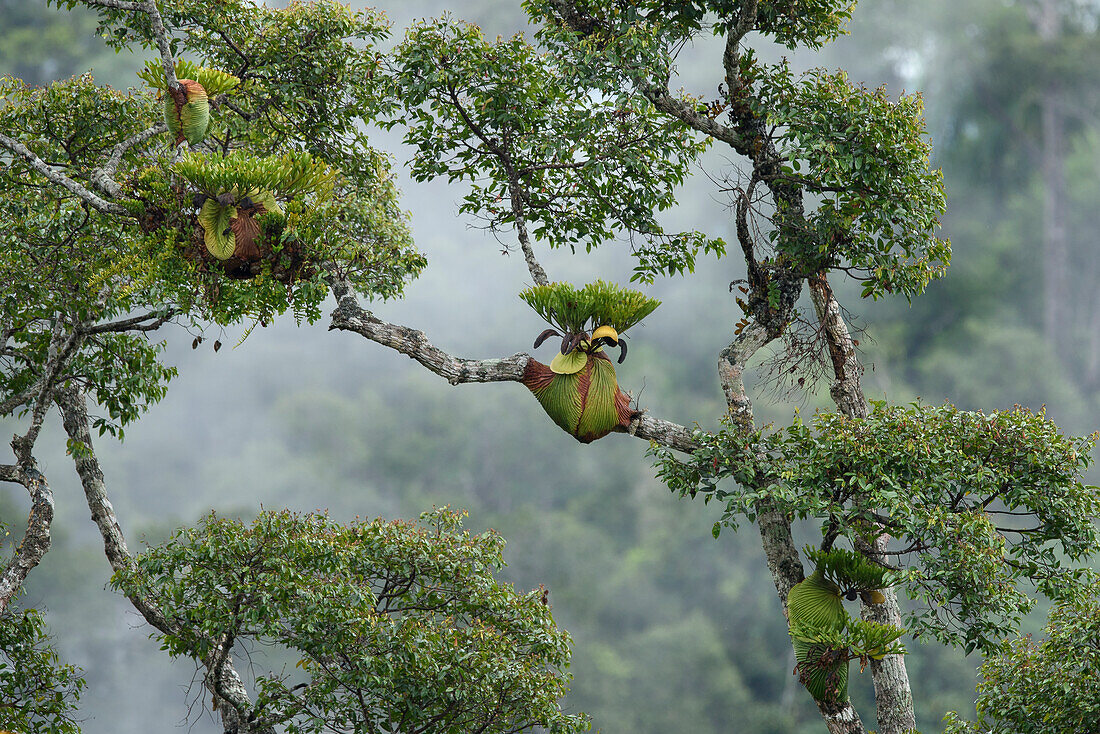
[851, 571]
[825, 638]
[575, 310]
[222, 223]
[287, 176]
[214, 81]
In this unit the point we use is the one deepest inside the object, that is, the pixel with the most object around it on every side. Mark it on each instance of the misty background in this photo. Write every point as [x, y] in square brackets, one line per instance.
[673, 631]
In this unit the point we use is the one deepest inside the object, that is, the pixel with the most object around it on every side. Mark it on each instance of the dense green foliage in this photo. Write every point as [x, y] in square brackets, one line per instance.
[874, 213]
[980, 506]
[396, 625]
[580, 165]
[1046, 687]
[38, 694]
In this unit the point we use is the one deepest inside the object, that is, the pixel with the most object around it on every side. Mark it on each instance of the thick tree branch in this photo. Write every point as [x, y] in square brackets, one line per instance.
[659, 96]
[730, 56]
[36, 539]
[846, 389]
[136, 323]
[60, 179]
[350, 316]
[160, 35]
[665, 433]
[103, 178]
[116, 5]
[731, 372]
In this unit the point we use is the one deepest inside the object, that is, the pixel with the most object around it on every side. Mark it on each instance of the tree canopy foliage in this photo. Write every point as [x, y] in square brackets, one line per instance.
[263, 195]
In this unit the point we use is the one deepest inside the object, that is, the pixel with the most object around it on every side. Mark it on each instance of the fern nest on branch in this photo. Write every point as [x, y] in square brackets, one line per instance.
[825, 638]
[240, 226]
[579, 389]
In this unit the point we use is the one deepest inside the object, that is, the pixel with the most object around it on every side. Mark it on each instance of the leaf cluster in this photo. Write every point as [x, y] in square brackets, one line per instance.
[213, 81]
[574, 310]
[579, 164]
[865, 158]
[850, 571]
[290, 175]
[1047, 686]
[38, 693]
[980, 506]
[393, 624]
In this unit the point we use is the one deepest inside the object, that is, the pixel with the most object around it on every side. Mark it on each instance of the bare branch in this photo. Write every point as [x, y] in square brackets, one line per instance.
[349, 316]
[665, 433]
[731, 372]
[60, 179]
[846, 389]
[16, 400]
[103, 178]
[659, 95]
[135, 323]
[517, 195]
[730, 57]
[160, 34]
[116, 5]
[36, 539]
[74, 413]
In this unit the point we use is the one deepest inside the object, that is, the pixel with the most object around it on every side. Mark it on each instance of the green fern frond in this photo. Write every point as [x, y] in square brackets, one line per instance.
[850, 570]
[597, 304]
[287, 176]
[214, 81]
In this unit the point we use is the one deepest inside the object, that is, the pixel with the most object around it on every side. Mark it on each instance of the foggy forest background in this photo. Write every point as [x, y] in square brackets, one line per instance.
[674, 631]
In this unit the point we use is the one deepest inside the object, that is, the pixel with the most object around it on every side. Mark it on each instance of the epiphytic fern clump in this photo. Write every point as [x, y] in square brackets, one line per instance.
[187, 109]
[240, 221]
[579, 389]
[824, 637]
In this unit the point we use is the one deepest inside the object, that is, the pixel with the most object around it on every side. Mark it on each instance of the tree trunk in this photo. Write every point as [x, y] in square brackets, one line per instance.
[775, 527]
[893, 696]
[1052, 151]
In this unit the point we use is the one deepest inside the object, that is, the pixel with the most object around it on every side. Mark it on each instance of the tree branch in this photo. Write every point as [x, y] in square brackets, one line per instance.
[893, 695]
[232, 699]
[516, 194]
[135, 323]
[116, 5]
[36, 539]
[103, 178]
[659, 96]
[160, 34]
[350, 316]
[60, 179]
[730, 56]
[846, 389]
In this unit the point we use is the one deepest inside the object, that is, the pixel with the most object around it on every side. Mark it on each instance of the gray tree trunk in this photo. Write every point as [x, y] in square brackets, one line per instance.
[1047, 19]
